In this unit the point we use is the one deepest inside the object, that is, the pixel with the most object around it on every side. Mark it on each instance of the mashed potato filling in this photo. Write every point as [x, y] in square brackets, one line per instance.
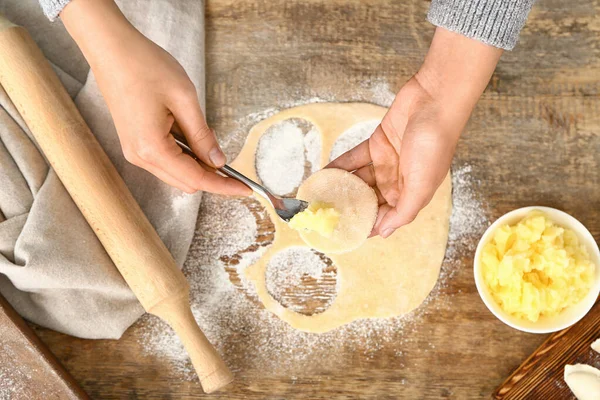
[318, 217]
[536, 268]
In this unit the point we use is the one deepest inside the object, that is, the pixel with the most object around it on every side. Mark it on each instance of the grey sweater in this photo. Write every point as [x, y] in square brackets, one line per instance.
[495, 22]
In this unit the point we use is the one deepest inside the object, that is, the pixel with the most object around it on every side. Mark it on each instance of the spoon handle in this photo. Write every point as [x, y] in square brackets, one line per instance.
[232, 173]
[227, 171]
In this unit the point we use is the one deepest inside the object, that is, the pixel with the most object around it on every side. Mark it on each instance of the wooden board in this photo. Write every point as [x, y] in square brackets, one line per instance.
[534, 138]
[541, 375]
[28, 370]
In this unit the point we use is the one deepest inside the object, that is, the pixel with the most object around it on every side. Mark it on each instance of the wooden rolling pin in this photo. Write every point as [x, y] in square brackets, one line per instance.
[101, 195]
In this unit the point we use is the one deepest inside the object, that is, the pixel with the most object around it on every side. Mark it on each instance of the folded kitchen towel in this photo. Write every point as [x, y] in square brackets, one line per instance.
[53, 269]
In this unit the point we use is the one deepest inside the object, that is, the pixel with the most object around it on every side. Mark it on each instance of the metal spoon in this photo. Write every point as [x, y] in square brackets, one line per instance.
[286, 208]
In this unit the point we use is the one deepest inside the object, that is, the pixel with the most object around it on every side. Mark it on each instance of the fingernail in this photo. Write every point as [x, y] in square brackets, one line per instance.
[217, 157]
[380, 216]
[387, 233]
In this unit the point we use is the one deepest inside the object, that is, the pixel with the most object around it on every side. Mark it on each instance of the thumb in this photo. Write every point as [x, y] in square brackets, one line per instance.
[200, 137]
[410, 203]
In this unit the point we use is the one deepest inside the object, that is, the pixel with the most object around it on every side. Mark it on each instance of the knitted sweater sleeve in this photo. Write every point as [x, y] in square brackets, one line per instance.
[53, 7]
[494, 22]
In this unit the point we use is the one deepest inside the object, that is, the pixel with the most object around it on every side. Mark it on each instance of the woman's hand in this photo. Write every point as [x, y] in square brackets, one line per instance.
[410, 152]
[149, 95]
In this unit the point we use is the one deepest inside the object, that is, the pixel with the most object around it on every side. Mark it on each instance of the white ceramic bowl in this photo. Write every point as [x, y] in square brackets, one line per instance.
[568, 316]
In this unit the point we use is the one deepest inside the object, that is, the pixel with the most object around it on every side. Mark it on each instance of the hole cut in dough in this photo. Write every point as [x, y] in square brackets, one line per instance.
[302, 280]
[583, 380]
[288, 152]
[349, 195]
[353, 136]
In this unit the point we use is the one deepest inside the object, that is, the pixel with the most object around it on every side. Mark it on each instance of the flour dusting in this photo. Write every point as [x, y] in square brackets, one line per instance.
[287, 267]
[470, 216]
[312, 144]
[228, 239]
[375, 91]
[20, 380]
[302, 280]
[282, 153]
[352, 137]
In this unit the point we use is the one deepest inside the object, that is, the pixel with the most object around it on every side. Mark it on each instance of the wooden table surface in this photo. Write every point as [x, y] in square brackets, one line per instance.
[534, 139]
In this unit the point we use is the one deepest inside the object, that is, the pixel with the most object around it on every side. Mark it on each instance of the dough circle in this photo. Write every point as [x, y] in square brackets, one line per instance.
[352, 198]
[383, 278]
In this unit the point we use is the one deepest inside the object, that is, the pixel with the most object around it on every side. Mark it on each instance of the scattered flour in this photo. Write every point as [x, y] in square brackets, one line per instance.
[180, 201]
[287, 160]
[24, 380]
[353, 137]
[228, 239]
[470, 216]
[302, 280]
[312, 143]
[376, 91]
[381, 93]
[282, 153]
[287, 267]
[12, 382]
[251, 339]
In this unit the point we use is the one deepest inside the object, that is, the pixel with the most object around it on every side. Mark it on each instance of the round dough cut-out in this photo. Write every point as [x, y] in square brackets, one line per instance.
[352, 198]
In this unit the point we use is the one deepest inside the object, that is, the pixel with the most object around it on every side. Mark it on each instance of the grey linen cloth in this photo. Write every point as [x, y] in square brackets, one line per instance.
[53, 269]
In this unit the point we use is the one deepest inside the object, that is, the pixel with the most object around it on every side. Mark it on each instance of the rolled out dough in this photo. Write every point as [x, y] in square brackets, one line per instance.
[382, 278]
[352, 198]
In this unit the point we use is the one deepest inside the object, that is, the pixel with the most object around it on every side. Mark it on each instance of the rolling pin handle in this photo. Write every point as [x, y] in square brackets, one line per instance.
[111, 210]
[211, 370]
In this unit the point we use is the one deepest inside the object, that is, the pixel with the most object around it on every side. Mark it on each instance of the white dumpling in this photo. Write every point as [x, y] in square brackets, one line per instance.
[596, 345]
[349, 195]
[583, 380]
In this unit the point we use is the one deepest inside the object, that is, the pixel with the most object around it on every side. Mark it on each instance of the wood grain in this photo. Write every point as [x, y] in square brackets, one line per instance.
[28, 370]
[541, 375]
[533, 139]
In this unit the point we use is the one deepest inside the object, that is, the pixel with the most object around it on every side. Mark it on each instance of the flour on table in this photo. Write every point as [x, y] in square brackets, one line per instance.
[12, 382]
[251, 338]
[375, 91]
[304, 273]
[352, 137]
[288, 267]
[20, 380]
[312, 143]
[282, 154]
[470, 215]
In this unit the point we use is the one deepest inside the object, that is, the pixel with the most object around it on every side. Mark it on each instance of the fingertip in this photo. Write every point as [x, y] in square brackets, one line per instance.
[353, 159]
[189, 190]
[390, 221]
[236, 188]
[217, 157]
[245, 191]
[332, 164]
[383, 210]
[387, 233]
[395, 220]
